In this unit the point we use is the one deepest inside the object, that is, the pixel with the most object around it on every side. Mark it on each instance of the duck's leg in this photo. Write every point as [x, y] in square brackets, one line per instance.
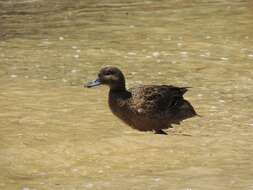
[160, 132]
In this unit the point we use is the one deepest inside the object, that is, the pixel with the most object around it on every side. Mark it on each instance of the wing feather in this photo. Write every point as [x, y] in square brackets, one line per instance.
[151, 99]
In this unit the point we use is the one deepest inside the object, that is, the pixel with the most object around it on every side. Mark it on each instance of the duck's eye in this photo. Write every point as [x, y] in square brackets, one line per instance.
[108, 73]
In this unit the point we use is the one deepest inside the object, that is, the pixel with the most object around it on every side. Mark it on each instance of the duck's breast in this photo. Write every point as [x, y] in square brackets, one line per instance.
[120, 107]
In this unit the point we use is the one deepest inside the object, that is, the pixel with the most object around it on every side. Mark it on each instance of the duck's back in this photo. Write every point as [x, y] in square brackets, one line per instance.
[161, 102]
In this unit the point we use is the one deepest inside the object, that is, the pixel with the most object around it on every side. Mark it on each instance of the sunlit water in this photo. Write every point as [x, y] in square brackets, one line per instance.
[57, 135]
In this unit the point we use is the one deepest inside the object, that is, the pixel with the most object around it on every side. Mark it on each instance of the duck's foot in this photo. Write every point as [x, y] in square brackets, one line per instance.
[160, 132]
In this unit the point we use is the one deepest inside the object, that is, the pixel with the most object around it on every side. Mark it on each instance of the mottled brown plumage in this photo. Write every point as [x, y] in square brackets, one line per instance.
[147, 107]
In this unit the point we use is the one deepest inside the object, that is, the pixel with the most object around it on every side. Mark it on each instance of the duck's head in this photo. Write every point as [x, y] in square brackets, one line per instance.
[110, 76]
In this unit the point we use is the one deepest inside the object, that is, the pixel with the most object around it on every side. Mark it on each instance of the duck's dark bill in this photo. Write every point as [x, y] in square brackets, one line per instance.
[93, 83]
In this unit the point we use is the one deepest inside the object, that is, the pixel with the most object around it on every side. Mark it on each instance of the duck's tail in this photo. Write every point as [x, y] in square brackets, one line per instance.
[184, 111]
[183, 90]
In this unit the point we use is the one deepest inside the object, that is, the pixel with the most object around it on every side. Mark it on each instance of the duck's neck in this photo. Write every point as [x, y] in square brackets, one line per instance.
[118, 100]
[118, 87]
[119, 93]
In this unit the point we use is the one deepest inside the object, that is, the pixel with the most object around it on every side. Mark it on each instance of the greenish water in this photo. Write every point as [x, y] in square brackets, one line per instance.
[57, 135]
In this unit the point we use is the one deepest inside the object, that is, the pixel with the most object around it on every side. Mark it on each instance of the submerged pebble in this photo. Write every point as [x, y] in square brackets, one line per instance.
[156, 54]
[157, 179]
[89, 185]
[131, 53]
[184, 53]
[76, 56]
[207, 54]
[25, 188]
[213, 107]
[224, 58]
[74, 170]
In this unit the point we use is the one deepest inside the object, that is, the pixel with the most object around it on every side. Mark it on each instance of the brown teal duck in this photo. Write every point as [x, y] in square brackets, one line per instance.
[147, 107]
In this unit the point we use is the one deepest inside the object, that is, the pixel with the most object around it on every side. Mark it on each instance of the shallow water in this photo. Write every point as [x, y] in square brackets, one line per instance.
[57, 135]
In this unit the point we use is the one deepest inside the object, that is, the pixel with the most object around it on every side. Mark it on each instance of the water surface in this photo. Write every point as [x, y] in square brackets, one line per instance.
[57, 135]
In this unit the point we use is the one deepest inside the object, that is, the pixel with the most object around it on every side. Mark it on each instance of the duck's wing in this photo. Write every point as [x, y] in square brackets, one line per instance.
[155, 99]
